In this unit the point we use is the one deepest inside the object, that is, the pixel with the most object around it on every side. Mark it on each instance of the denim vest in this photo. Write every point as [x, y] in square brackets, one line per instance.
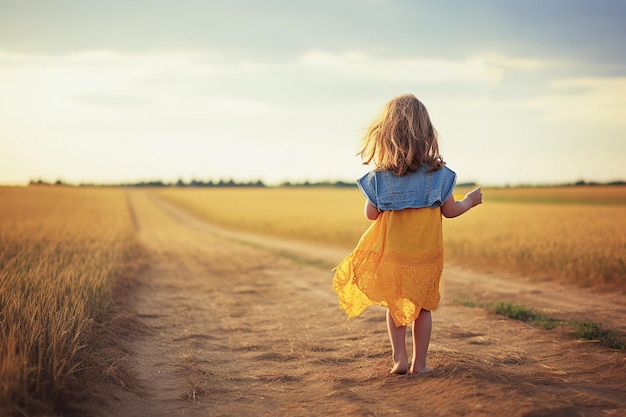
[418, 189]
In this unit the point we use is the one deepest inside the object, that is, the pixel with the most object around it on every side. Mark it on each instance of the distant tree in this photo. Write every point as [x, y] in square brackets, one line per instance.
[345, 184]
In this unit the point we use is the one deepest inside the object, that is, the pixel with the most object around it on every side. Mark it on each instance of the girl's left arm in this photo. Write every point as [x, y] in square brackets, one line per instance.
[371, 211]
[453, 208]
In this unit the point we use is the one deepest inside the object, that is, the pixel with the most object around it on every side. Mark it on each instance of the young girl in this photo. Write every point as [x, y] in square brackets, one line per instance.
[398, 261]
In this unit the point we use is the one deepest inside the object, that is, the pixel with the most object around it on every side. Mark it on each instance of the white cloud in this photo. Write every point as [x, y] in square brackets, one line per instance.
[415, 70]
[101, 114]
[589, 100]
[505, 62]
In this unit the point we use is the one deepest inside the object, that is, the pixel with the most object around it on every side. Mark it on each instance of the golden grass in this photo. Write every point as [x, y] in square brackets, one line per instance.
[62, 248]
[601, 195]
[331, 216]
[570, 233]
[579, 243]
[59, 251]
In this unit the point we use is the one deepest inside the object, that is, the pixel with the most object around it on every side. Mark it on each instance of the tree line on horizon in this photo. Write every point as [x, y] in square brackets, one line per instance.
[260, 184]
[199, 183]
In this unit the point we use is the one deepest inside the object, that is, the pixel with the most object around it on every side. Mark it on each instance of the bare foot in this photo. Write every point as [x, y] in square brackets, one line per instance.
[419, 371]
[399, 368]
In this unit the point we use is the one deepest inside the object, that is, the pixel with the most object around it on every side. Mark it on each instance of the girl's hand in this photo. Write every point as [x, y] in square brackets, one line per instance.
[452, 208]
[475, 196]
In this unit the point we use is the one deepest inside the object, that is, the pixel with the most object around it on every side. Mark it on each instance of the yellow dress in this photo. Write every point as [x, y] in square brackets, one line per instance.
[397, 264]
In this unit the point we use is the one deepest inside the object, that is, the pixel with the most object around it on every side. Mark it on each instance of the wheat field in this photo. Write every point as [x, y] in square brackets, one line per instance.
[574, 234]
[60, 251]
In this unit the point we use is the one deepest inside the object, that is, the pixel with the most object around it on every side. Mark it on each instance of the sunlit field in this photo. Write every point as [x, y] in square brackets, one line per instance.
[574, 234]
[60, 249]
[331, 216]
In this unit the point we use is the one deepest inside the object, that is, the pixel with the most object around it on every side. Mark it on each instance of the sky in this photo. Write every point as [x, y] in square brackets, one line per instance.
[521, 92]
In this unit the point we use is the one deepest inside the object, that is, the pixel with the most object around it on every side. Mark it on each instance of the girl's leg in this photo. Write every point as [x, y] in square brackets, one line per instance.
[397, 336]
[422, 327]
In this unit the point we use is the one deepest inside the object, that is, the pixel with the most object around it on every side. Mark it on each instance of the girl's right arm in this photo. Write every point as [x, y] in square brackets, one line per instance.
[371, 211]
[452, 208]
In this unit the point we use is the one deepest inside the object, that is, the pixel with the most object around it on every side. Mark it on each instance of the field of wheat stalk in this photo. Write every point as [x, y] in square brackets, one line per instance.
[60, 250]
[575, 234]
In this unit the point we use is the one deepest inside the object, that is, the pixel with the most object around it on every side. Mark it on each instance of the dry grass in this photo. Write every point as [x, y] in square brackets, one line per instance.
[600, 195]
[578, 243]
[60, 250]
[570, 233]
[330, 216]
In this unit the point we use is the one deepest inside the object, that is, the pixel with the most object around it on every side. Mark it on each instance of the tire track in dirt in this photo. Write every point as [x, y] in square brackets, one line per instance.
[561, 300]
[248, 325]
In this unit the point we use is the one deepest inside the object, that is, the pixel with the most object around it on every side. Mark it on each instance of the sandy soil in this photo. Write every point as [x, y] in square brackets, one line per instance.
[248, 325]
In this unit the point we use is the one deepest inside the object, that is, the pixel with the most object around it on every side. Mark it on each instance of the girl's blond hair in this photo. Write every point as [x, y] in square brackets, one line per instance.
[402, 139]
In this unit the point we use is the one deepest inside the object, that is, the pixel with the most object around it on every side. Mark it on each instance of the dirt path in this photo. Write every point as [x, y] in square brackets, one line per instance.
[248, 325]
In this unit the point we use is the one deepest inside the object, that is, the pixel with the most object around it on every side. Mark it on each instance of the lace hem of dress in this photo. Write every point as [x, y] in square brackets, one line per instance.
[404, 284]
